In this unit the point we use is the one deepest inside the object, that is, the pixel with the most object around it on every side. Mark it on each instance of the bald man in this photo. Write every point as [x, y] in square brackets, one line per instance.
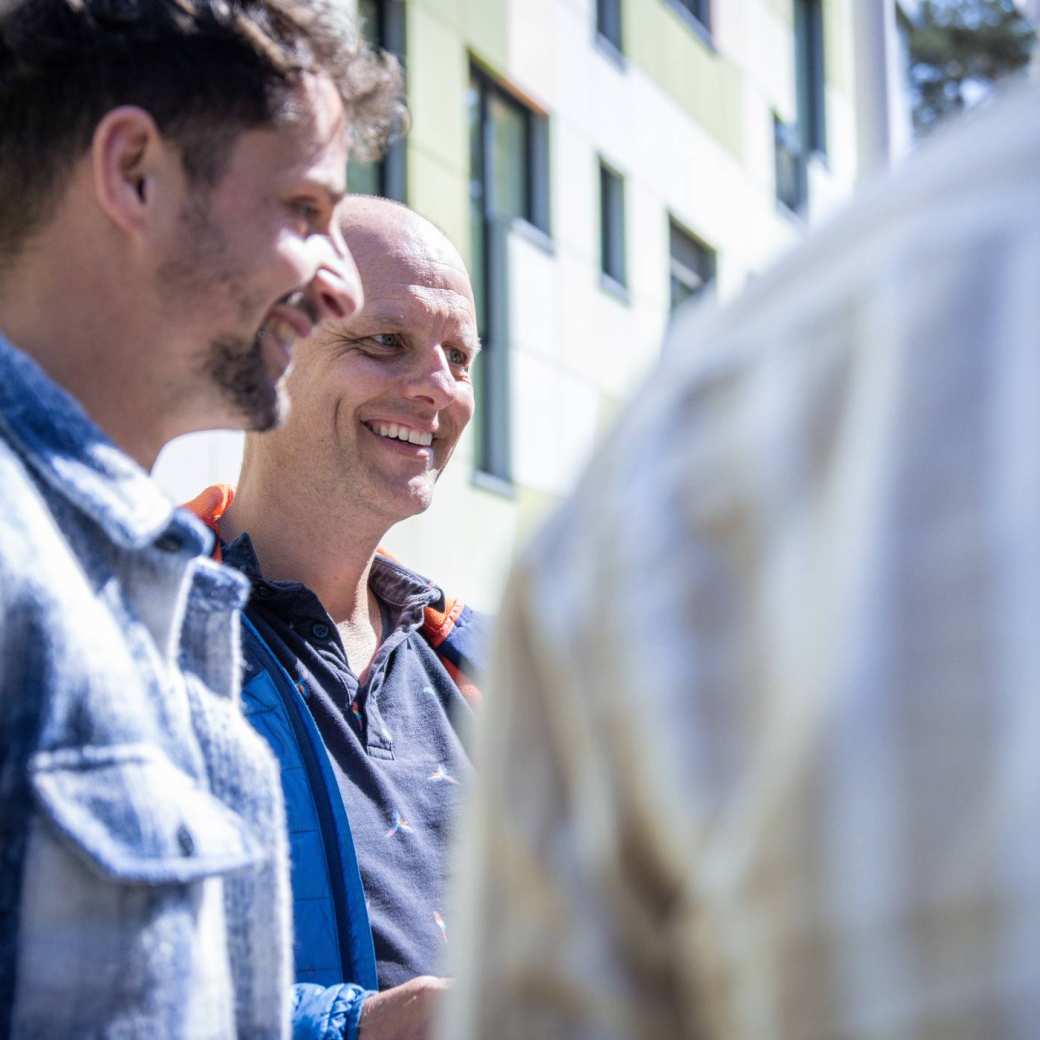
[355, 664]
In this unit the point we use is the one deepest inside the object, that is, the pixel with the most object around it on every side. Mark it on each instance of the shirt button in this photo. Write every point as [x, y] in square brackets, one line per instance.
[261, 591]
[185, 840]
[169, 542]
[320, 630]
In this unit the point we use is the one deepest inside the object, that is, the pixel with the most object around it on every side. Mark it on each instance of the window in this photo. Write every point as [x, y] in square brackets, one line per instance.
[608, 22]
[382, 22]
[692, 266]
[612, 224]
[698, 10]
[509, 177]
[791, 176]
[809, 75]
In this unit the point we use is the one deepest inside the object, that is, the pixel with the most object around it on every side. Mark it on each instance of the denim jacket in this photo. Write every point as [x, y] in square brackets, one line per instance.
[143, 867]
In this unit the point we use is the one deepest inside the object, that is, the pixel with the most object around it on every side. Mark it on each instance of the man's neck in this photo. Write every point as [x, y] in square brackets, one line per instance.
[83, 336]
[299, 538]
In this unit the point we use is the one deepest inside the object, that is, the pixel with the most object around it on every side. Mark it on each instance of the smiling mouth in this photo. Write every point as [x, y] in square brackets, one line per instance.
[397, 432]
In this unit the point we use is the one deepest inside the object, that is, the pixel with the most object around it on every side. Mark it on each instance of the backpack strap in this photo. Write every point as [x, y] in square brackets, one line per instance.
[456, 634]
[209, 506]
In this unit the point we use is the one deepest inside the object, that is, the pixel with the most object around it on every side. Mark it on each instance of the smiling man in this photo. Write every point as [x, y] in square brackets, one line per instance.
[168, 174]
[348, 652]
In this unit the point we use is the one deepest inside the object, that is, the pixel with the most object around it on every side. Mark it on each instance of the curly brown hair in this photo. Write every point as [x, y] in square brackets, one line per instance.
[205, 70]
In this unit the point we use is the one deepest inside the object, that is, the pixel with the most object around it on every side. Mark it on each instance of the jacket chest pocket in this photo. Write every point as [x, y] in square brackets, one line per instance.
[134, 817]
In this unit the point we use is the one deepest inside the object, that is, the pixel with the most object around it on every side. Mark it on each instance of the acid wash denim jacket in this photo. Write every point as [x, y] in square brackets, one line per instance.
[143, 868]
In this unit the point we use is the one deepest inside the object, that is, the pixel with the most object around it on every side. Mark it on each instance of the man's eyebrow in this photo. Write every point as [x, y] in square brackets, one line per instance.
[334, 190]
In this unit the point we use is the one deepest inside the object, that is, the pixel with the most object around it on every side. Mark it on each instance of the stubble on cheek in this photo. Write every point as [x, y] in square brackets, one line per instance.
[202, 275]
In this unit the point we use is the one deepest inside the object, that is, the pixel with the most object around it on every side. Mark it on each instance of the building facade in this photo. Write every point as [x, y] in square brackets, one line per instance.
[599, 163]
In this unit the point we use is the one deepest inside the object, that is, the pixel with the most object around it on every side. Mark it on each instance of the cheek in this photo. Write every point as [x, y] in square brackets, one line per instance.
[461, 412]
[465, 404]
[276, 251]
[292, 259]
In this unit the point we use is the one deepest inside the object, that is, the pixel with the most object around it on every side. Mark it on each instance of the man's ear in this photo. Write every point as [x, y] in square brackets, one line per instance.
[128, 157]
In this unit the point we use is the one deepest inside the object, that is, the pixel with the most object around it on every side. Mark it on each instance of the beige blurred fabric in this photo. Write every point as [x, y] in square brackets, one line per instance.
[761, 754]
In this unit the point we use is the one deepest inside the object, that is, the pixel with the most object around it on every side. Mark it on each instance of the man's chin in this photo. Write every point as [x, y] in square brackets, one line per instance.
[258, 401]
[418, 497]
[264, 415]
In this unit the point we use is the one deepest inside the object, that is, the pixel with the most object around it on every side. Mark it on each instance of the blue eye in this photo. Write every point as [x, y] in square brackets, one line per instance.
[457, 357]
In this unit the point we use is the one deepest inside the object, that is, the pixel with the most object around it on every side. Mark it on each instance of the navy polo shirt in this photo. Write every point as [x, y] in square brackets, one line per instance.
[394, 744]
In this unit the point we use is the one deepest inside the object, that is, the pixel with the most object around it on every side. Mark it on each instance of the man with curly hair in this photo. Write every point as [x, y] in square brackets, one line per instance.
[168, 173]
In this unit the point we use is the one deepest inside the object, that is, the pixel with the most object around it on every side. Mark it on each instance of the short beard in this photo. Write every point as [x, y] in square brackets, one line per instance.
[231, 364]
[241, 377]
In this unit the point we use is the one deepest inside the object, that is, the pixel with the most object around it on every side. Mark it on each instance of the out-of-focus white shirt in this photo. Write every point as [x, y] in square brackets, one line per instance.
[761, 754]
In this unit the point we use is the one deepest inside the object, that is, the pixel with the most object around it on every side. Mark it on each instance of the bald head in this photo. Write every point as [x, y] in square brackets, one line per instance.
[381, 233]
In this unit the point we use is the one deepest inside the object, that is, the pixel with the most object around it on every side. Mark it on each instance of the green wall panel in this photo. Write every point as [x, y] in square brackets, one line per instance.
[485, 27]
[441, 193]
[446, 11]
[837, 28]
[704, 83]
[437, 83]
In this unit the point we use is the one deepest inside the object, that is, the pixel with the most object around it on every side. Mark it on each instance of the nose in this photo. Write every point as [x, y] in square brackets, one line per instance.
[335, 290]
[432, 379]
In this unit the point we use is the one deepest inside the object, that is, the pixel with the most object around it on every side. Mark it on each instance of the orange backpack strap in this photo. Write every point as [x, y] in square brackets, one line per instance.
[458, 636]
[209, 506]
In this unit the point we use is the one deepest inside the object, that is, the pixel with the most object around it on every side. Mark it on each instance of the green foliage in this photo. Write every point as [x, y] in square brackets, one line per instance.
[959, 49]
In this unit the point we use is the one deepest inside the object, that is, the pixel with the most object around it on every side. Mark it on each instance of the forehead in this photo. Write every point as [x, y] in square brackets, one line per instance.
[413, 279]
[308, 141]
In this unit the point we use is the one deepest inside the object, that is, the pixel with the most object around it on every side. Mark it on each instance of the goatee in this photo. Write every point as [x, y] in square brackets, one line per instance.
[241, 376]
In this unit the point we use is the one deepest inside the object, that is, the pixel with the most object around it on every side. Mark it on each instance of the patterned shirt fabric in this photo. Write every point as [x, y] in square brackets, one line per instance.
[394, 743]
[759, 756]
[143, 866]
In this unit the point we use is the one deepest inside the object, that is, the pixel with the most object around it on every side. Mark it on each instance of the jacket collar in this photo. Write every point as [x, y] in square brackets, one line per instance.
[68, 451]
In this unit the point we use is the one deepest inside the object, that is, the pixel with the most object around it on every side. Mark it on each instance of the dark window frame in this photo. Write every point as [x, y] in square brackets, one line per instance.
[811, 75]
[613, 260]
[697, 14]
[790, 169]
[536, 143]
[494, 444]
[680, 269]
[391, 35]
[610, 24]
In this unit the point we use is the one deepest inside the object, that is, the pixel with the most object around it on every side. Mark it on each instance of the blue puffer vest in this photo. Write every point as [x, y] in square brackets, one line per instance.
[332, 936]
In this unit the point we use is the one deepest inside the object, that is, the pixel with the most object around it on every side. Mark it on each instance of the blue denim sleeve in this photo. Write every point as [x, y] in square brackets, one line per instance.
[327, 1012]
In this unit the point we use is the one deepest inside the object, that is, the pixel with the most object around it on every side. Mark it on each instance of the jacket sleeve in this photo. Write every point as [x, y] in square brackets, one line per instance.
[327, 1012]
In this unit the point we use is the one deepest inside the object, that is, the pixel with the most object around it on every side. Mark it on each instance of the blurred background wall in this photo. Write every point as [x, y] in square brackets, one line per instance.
[600, 163]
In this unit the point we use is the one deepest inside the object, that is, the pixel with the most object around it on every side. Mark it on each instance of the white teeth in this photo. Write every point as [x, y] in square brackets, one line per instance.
[403, 433]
